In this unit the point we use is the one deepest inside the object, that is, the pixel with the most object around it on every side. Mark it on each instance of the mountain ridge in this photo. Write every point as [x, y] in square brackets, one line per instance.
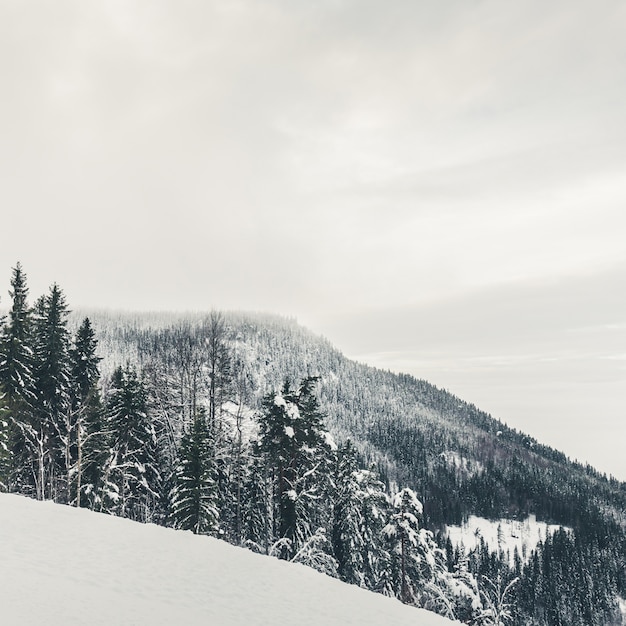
[296, 352]
[193, 384]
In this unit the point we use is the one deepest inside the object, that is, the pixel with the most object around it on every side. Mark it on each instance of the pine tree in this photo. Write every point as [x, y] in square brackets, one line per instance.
[131, 481]
[52, 406]
[17, 388]
[347, 521]
[194, 498]
[219, 367]
[374, 513]
[294, 442]
[16, 354]
[89, 439]
[257, 520]
[403, 532]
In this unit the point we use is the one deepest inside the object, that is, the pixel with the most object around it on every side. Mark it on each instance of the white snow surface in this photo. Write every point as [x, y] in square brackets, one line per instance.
[504, 534]
[60, 565]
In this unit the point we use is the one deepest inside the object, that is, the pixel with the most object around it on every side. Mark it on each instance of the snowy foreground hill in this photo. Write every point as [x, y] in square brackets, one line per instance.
[60, 565]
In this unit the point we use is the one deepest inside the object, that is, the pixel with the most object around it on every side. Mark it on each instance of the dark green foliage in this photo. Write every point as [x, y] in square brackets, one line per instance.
[89, 441]
[291, 438]
[85, 372]
[347, 520]
[52, 361]
[16, 353]
[52, 405]
[218, 365]
[406, 546]
[194, 498]
[17, 388]
[132, 477]
[572, 579]
[257, 504]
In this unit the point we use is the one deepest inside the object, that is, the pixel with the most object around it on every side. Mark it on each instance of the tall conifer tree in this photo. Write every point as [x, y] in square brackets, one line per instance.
[132, 478]
[194, 497]
[89, 439]
[52, 371]
[17, 386]
[347, 520]
[292, 437]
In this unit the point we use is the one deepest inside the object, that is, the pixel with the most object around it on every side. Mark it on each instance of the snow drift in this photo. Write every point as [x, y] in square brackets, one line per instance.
[60, 565]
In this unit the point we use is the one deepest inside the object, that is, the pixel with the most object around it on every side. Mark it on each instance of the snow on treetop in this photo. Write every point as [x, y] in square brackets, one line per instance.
[407, 497]
[279, 400]
[293, 411]
[290, 408]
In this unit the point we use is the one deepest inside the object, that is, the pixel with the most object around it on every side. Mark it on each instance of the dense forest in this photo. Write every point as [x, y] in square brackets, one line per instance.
[252, 429]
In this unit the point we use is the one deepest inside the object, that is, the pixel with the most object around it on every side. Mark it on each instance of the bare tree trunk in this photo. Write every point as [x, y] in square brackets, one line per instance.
[238, 477]
[79, 467]
[405, 591]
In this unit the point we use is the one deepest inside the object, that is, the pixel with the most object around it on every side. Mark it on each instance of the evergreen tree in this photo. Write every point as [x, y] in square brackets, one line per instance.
[316, 553]
[16, 354]
[194, 498]
[257, 506]
[52, 405]
[347, 521]
[17, 387]
[219, 366]
[294, 442]
[374, 513]
[131, 481]
[409, 548]
[89, 441]
[5, 452]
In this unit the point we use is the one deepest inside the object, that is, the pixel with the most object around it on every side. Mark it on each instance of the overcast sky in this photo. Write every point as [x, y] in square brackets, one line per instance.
[437, 187]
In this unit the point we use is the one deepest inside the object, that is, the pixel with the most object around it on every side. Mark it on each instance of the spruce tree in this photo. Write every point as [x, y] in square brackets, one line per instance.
[374, 504]
[218, 365]
[89, 438]
[16, 353]
[194, 497]
[132, 478]
[294, 442]
[17, 386]
[403, 532]
[257, 503]
[52, 405]
[347, 521]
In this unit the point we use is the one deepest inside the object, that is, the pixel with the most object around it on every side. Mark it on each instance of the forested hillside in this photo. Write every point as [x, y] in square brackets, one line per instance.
[251, 428]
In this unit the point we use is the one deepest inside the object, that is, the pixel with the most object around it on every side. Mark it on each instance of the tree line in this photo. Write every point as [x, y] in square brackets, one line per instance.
[218, 429]
[173, 442]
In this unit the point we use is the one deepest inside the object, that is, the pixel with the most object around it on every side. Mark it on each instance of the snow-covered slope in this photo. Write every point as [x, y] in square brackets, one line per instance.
[502, 535]
[60, 565]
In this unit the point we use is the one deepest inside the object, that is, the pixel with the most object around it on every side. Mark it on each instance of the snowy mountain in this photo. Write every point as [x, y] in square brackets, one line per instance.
[462, 463]
[66, 566]
[252, 429]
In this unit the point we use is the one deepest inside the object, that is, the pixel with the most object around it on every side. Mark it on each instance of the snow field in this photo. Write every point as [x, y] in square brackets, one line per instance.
[59, 565]
[502, 535]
